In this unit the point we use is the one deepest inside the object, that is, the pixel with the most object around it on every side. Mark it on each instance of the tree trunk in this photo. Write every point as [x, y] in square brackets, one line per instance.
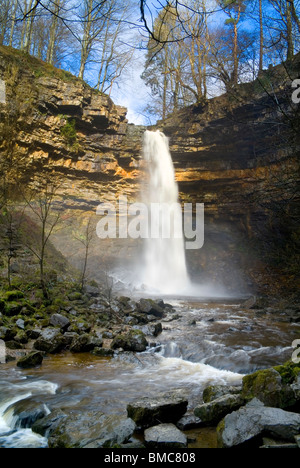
[53, 31]
[13, 23]
[29, 25]
[290, 42]
[261, 45]
[86, 40]
[235, 77]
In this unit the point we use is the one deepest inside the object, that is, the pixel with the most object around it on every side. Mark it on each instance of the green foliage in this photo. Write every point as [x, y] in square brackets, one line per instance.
[68, 131]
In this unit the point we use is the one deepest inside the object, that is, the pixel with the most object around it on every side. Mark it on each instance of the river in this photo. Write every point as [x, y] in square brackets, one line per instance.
[207, 343]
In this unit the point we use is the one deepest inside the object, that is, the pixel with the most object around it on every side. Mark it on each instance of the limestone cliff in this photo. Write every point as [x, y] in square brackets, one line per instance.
[236, 153]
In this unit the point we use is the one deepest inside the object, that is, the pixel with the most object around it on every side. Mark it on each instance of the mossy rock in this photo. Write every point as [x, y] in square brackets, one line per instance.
[11, 296]
[2, 305]
[102, 352]
[60, 302]
[267, 386]
[135, 341]
[33, 359]
[12, 309]
[288, 372]
[75, 296]
[21, 337]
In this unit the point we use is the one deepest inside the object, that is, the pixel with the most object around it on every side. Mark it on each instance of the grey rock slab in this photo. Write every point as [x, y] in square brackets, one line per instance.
[165, 435]
[168, 407]
[255, 419]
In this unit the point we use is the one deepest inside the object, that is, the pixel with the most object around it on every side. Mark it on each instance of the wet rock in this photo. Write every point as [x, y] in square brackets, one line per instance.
[28, 412]
[150, 307]
[58, 320]
[164, 408]
[33, 359]
[273, 443]
[51, 341]
[135, 341]
[213, 412]
[47, 425]
[90, 429]
[297, 439]
[254, 419]
[165, 435]
[102, 352]
[213, 392]
[267, 386]
[85, 343]
[189, 421]
[151, 329]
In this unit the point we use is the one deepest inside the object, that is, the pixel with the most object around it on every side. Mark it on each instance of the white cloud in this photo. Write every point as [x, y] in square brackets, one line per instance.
[132, 92]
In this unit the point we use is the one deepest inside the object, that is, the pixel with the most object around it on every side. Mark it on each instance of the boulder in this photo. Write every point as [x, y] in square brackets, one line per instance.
[134, 341]
[189, 421]
[268, 387]
[154, 329]
[164, 408]
[58, 320]
[274, 443]
[255, 419]
[12, 309]
[150, 307]
[34, 333]
[102, 352]
[92, 291]
[33, 359]
[85, 343]
[48, 424]
[51, 341]
[90, 429]
[213, 412]
[165, 435]
[213, 392]
[20, 324]
[27, 412]
[7, 334]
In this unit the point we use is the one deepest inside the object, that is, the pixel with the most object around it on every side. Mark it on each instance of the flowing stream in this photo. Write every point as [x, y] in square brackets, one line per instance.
[207, 343]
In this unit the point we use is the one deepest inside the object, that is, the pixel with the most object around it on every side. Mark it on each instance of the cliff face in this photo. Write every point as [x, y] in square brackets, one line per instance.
[62, 125]
[229, 153]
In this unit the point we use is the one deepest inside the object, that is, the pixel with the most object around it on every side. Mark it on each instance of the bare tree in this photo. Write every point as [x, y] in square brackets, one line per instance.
[86, 239]
[41, 203]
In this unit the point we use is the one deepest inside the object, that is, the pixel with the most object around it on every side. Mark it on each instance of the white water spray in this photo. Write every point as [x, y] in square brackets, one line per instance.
[165, 268]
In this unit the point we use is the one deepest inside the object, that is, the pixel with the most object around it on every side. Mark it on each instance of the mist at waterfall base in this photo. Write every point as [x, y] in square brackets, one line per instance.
[161, 269]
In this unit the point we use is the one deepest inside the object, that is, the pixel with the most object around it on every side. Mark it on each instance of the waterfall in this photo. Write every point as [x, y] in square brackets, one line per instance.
[164, 269]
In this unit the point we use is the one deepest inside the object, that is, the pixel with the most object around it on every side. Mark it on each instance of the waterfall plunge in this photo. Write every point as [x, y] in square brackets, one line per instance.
[164, 268]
